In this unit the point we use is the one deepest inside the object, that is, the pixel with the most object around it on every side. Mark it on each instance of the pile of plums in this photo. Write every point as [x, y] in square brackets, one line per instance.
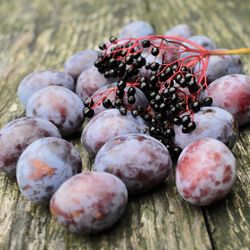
[122, 135]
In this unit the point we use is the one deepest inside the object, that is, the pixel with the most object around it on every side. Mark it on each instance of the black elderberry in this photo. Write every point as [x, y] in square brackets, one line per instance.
[145, 43]
[134, 112]
[119, 93]
[196, 106]
[169, 71]
[166, 93]
[107, 103]
[123, 110]
[152, 102]
[178, 78]
[185, 120]
[112, 63]
[174, 98]
[131, 99]
[174, 67]
[163, 77]
[102, 46]
[143, 79]
[169, 132]
[147, 117]
[101, 70]
[155, 51]
[176, 152]
[159, 116]
[156, 107]
[98, 63]
[118, 102]
[152, 95]
[131, 91]
[88, 112]
[147, 66]
[129, 60]
[88, 102]
[139, 109]
[162, 107]
[144, 86]
[188, 76]
[189, 127]
[121, 85]
[112, 39]
[153, 79]
[172, 90]
[106, 74]
[208, 101]
[158, 99]
[112, 73]
[123, 53]
[153, 122]
[141, 61]
[154, 66]
[177, 120]
[182, 82]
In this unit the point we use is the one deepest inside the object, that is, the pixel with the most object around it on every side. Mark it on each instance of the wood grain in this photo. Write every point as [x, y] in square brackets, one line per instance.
[36, 35]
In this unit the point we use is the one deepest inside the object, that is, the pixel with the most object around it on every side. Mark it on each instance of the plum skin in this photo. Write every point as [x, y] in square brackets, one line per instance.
[44, 165]
[107, 125]
[80, 62]
[16, 135]
[140, 161]
[89, 202]
[206, 172]
[136, 29]
[89, 82]
[210, 122]
[58, 105]
[42, 79]
[232, 93]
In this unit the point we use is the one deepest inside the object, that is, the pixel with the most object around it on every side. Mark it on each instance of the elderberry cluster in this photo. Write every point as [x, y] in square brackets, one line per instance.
[171, 88]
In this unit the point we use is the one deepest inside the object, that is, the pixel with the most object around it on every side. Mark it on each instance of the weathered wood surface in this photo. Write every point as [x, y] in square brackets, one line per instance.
[41, 34]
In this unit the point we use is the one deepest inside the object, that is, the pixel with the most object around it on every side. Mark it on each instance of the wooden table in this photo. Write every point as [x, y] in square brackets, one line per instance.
[42, 34]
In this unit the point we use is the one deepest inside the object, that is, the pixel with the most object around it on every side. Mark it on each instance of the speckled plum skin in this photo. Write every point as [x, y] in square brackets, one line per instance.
[137, 29]
[89, 202]
[17, 135]
[180, 30]
[42, 79]
[140, 161]
[44, 166]
[219, 66]
[89, 82]
[139, 96]
[107, 125]
[210, 122]
[58, 105]
[79, 62]
[206, 172]
[232, 93]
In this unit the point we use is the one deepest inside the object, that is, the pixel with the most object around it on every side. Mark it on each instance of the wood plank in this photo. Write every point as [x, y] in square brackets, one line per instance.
[42, 34]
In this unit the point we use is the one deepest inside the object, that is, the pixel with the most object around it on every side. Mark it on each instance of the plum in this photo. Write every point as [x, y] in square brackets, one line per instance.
[210, 122]
[232, 93]
[180, 30]
[109, 124]
[137, 29]
[206, 172]
[42, 79]
[140, 161]
[89, 202]
[79, 62]
[44, 165]
[89, 82]
[17, 135]
[58, 105]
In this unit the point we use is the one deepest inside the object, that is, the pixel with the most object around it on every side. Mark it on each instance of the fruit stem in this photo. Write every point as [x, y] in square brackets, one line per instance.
[241, 51]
